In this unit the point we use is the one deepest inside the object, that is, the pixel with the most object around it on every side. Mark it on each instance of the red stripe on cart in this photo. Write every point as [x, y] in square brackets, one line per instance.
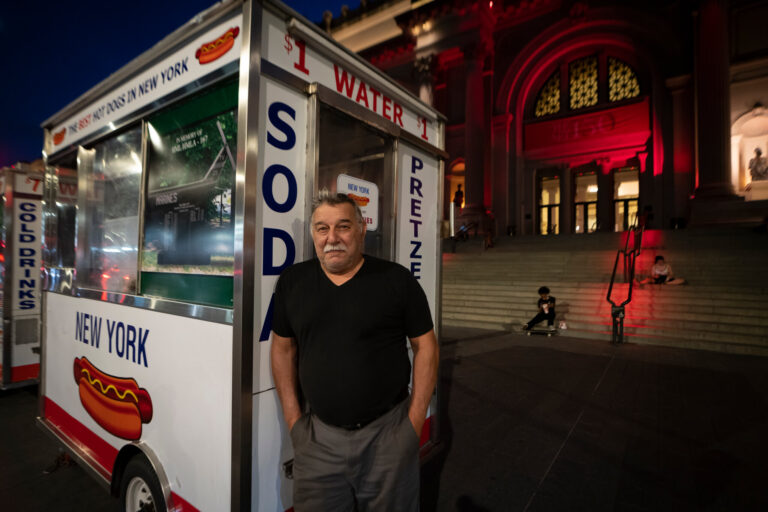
[181, 505]
[26, 372]
[94, 447]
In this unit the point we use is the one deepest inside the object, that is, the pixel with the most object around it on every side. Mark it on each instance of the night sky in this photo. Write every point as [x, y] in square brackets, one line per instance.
[54, 51]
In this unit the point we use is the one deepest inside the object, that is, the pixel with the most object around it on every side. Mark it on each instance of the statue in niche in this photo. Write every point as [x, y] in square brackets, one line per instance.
[758, 166]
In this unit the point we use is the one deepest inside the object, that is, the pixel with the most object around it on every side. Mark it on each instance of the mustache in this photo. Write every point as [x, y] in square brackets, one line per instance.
[335, 247]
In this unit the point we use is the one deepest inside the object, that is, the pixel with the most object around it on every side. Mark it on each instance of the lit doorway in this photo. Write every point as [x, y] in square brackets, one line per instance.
[549, 206]
[626, 193]
[585, 203]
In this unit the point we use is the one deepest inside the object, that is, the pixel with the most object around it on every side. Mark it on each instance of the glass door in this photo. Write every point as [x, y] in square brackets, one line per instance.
[356, 160]
[585, 203]
[626, 192]
[549, 206]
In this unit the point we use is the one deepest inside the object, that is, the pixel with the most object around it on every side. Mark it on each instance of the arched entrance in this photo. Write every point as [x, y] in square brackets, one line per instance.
[580, 97]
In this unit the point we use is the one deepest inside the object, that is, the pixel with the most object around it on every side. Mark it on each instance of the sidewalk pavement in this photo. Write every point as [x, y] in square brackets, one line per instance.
[528, 424]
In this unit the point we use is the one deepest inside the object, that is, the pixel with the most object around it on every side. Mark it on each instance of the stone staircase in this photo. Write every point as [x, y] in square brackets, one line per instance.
[724, 306]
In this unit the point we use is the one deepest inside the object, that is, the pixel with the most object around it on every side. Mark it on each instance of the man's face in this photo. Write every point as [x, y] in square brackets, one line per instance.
[338, 237]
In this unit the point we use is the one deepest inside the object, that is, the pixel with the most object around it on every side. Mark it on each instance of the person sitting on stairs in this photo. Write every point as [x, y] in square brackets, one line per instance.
[661, 273]
[546, 311]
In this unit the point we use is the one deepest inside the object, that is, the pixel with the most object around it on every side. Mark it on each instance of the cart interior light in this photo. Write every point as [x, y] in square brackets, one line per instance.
[592, 189]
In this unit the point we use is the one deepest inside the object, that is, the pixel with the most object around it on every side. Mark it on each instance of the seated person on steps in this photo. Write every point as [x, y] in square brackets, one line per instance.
[661, 273]
[546, 311]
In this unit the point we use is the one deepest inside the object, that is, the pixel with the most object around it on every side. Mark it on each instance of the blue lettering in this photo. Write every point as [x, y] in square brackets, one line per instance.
[120, 339]
[27, 251]
[26, 239]
[415, 207]
[143, 335]
[416, 165]
[26, 304]
[269, 268]
[416, 224]
[130, 343]
[27, 207]
[415, 269]
[79, 324]
[26, 294]
[95, 331]
[415, 251]
[267, 327]
[86, 320]
[285, 128]
[416, 186]
[27, 262]
[110, 332]
[24, 283]
[267, 188]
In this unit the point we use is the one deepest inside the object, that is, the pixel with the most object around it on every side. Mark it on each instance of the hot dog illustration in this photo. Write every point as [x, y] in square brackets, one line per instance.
[211, 51]
[360, 200]
[58, 137]
[119, 405]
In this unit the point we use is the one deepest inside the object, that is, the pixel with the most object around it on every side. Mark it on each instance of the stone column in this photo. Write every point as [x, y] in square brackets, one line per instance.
[566, 200]
[475, 129]
[683, 154]
[713, 101]
[423, 69]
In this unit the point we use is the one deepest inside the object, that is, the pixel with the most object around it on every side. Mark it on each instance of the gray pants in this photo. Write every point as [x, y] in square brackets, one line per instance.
[372, 469]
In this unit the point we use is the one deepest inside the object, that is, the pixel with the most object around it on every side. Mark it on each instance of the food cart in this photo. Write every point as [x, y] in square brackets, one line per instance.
[194, 167]
[21, 188]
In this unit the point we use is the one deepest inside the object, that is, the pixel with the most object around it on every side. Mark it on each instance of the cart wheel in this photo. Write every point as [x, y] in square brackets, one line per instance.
[140, 490]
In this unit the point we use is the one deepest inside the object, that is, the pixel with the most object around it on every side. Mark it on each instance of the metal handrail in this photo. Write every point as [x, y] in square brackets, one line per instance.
[629, 260]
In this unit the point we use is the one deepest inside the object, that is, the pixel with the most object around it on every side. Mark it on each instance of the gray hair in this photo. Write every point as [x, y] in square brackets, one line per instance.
[325, 196]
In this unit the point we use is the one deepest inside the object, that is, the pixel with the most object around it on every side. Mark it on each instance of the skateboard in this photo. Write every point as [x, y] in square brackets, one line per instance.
[541, 332]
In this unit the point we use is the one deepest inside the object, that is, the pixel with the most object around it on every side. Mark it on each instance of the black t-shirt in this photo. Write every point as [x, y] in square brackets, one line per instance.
[353, 356]
[549, 301]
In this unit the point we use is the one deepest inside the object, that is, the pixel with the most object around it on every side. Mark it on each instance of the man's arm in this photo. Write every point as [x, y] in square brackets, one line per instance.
[283, 356]
[426, 358]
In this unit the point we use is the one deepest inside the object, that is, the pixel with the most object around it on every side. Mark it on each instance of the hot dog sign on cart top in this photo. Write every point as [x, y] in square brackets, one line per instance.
[158, 319]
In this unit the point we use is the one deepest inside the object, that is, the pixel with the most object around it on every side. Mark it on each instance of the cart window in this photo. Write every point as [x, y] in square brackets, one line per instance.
[113, 174]
[188, 251]
[356, 160]
[60, 216]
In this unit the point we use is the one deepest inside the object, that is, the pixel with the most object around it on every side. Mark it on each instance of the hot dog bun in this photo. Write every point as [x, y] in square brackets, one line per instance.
[121, 419]
[211, 51]
[118, 404]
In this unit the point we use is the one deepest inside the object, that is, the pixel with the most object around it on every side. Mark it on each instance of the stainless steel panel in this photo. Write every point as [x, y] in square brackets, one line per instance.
[161, 305]
[248, 222]
[179, 94]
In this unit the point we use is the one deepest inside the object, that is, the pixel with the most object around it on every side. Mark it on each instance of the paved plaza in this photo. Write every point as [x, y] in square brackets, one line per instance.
[529, 424]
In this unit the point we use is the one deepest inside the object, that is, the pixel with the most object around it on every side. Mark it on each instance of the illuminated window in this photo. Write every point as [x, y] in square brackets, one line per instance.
[549, 97]
[583, 82]
[622, 81]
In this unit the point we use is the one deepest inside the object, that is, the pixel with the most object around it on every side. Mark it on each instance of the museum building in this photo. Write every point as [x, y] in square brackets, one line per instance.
[577, 117]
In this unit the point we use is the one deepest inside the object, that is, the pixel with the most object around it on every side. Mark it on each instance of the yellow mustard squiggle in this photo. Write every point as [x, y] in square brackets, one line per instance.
[103, 390]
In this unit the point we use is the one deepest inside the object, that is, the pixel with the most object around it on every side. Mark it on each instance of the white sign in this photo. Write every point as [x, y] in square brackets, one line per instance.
[210, 51]
[27, 244]
[417, 225]
[177, 370]
[299, 59]
[365, 194]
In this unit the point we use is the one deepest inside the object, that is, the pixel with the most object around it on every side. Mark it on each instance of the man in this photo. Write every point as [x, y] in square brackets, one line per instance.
[339, 340]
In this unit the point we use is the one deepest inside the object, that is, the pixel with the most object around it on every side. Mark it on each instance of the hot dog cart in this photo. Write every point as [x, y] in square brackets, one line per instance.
[21, 188]
[194, 167]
